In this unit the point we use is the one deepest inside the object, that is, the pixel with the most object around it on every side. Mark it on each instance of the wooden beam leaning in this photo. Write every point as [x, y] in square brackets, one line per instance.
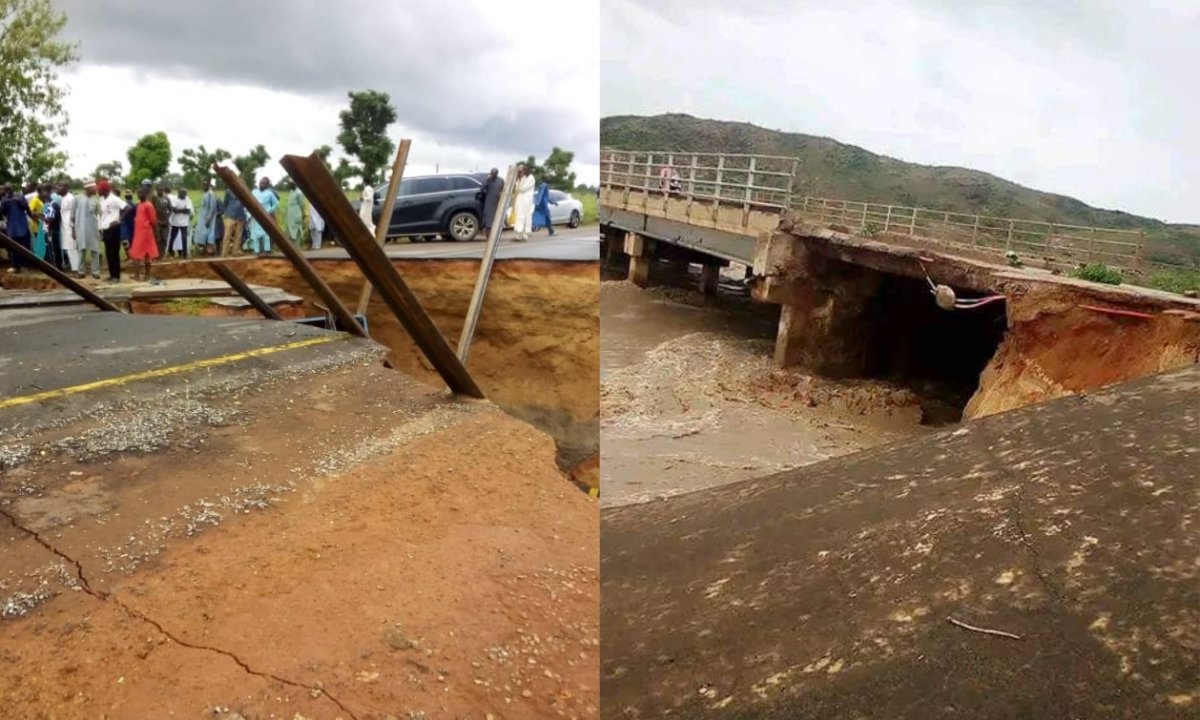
[385, 215]
[313, 178]
[235, 282]
[58, 275]
[234, 182]
[485, 268]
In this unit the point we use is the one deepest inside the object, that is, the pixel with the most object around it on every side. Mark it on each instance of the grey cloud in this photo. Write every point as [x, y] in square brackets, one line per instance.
[436, 59]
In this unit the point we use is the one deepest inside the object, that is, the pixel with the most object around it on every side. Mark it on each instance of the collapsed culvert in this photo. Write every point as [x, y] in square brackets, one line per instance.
[535, 347]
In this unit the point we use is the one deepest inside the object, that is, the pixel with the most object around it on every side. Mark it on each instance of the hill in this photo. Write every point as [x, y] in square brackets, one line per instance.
[837, 170]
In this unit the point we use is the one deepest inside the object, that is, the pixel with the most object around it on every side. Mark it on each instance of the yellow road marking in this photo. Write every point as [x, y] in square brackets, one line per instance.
[163, 372]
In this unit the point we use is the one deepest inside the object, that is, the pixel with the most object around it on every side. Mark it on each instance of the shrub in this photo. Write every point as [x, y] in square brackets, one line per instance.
[1099, 273]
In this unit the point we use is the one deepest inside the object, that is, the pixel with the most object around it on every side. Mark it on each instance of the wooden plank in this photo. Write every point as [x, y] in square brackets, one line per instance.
[485, 267]
[385, 217]
[57, 275]
[311, 175]
[235, 185]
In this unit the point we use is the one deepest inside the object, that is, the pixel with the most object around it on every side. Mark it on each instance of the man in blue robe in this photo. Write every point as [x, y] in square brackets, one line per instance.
[260, 241]
[541, 208]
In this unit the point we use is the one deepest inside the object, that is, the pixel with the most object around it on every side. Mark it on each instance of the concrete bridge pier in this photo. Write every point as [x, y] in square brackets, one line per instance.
[637, 248]
[824, 306]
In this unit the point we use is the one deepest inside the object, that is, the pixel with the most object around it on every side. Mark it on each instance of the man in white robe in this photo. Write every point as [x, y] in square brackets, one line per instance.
[523, 203]
[67, 213]
[366, 206]
[316, 226]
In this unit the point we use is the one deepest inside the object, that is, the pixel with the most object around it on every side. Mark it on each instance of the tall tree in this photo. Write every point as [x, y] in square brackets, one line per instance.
[556, 170]
[344, 171]
[149, 158]
[323, 152]
[111, 170]
[364, 131]
[249, 164]
[31, 113]
[197, 163]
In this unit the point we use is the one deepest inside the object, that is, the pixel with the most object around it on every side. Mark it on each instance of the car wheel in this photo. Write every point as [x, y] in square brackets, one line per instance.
[574, 221]
[463, 226]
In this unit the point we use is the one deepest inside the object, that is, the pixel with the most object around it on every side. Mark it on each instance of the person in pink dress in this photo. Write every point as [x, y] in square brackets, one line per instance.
[144, 248]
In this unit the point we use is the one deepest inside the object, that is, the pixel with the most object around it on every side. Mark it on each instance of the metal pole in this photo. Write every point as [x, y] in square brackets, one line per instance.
[235, 185]
[58, 275]
[485, 268]
[313, 177]
[385, 217]
[235, 282]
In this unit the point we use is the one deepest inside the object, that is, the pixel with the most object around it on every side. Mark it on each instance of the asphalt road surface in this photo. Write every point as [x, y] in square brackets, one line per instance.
[579, 244]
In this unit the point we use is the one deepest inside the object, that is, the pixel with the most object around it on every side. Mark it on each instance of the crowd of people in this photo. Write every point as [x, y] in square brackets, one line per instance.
[530, 208]
[72, 232]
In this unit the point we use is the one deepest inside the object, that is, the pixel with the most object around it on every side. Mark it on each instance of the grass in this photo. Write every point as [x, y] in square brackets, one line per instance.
[1176, 281]
[591, 211]
[188, 306]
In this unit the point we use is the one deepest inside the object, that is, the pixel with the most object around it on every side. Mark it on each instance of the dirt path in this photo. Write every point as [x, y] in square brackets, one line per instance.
[350, 545]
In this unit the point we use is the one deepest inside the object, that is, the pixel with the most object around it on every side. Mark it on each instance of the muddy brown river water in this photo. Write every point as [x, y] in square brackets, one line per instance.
[690, 398]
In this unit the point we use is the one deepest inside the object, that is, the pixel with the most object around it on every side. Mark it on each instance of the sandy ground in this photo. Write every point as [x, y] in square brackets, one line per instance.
[349, 544]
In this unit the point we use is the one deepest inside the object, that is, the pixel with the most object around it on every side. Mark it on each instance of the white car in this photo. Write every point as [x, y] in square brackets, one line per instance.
[568, 211]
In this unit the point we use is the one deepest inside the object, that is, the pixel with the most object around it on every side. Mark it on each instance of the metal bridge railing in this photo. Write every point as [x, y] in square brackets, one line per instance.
[765, 183]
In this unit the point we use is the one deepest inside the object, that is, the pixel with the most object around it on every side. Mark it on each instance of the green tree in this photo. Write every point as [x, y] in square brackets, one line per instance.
[323, 152]
[364, 131]
[149, 158]
[556, 170]
[197, 163]
[344, 171]
[249, 164]
[31, 113]
[112, 170]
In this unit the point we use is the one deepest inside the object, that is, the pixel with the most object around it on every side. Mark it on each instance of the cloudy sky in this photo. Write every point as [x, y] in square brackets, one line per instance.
[1090, 98]
[475, 83]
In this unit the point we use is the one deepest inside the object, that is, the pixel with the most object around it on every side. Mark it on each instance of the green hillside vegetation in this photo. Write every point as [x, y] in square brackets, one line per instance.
[836, 170]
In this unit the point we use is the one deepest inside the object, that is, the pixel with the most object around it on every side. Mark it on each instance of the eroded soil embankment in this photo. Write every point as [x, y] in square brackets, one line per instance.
[536, 346]
[1054, 347]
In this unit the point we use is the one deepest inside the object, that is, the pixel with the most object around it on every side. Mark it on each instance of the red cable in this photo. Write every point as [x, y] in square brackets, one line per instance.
[1115, 311]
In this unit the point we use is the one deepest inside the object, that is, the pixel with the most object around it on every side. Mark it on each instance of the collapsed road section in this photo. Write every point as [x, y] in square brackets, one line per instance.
[259, 516]
[255, 518]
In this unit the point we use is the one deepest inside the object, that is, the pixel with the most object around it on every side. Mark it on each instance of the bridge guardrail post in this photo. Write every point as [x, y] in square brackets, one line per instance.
[720, 188]
[887, 220]
[749, 194]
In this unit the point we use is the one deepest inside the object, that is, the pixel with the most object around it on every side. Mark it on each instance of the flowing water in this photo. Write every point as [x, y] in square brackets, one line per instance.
[690, 397]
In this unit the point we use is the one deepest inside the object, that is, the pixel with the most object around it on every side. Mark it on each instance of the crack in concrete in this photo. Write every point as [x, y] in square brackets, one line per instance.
[138, 615]
[1023, 537]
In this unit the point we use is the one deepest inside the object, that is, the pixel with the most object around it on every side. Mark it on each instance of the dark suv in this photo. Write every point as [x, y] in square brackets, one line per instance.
[429, 205]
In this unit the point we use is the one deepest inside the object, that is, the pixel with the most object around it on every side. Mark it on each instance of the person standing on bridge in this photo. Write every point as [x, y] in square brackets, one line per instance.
[490, 195]
[17, 215]
[206, 220]
[523, 203]
[87, 229]
[541, 208]
[180, 220]
[162, 210]
[316, 226]
[111, 206]
[66, 211]
[144, 248]
[235, 224]
[366, 205]
[260, 241]
[293, 215]
[668, 179]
